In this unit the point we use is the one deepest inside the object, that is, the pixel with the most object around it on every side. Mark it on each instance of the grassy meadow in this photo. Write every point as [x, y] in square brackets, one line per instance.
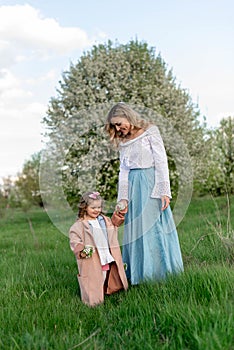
[40, 306]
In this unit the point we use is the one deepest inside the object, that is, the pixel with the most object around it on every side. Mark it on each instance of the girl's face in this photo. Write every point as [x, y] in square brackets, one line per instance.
[121, 124]
[93, 209]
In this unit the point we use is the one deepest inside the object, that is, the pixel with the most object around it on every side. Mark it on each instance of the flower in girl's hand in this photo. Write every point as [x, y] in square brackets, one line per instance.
[120, 206]
[87, 252]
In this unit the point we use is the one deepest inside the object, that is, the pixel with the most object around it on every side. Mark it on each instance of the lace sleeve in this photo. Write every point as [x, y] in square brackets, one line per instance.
[162, 182]
[123, 183]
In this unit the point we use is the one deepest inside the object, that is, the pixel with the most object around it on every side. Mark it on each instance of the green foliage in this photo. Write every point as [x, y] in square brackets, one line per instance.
[225, 143]
[216, 174]
[108, 179]
[41, 307]
[23, 191]
[27, 183]
[8, 195]
[3, 204]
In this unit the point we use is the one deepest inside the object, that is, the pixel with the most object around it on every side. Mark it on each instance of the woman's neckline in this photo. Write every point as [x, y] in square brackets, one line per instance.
[122, 144]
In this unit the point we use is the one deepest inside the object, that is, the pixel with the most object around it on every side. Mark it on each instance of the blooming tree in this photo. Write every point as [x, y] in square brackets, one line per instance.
[75, 120]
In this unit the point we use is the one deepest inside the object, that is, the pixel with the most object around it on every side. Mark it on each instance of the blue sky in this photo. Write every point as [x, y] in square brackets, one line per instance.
[39, 39]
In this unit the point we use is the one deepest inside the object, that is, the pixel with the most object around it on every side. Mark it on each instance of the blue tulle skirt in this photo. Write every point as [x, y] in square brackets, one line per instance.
[151, 247]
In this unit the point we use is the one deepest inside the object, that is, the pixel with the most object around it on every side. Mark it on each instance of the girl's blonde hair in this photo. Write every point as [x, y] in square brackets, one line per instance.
[86, 199]
[124, 111]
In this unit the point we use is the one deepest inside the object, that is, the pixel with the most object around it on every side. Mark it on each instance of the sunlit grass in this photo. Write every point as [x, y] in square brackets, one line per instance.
[41, 307]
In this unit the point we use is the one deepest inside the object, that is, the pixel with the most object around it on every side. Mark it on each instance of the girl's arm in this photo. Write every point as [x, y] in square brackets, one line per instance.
[76, 241]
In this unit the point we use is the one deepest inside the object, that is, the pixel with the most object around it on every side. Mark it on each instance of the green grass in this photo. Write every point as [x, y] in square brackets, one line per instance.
[41, 307]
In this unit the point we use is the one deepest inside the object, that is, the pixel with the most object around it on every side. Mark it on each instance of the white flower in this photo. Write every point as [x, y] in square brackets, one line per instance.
[87, 252]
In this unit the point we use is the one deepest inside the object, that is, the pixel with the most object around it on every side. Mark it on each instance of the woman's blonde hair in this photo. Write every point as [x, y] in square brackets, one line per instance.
[86, 199]
[124, 111]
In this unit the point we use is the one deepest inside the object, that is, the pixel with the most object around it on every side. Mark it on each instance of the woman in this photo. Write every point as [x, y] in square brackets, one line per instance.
[151, 248]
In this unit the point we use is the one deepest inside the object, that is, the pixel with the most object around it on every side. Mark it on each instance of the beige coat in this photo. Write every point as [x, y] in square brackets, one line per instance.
[90, 276]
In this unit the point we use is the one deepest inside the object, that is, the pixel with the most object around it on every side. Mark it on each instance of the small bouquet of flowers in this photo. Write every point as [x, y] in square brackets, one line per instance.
[120, 206]
[87, 252]
[119, 213]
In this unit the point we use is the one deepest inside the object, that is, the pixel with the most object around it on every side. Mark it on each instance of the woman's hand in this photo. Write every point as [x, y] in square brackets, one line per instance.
[165, 202]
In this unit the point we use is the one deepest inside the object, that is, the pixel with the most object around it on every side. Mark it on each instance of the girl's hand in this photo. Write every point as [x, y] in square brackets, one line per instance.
[87, 252]
[165, 202]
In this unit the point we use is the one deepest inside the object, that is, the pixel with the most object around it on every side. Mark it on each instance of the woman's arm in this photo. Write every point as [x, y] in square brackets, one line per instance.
[123, 184]
[162, 183]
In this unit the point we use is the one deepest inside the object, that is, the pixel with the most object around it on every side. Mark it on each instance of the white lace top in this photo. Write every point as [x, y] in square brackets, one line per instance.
[145, 151]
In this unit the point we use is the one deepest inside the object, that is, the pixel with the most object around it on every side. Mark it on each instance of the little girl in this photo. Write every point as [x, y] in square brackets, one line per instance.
[93, 239]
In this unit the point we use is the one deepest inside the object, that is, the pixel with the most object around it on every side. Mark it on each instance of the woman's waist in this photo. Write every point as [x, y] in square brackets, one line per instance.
[138, 163]
[149, 169]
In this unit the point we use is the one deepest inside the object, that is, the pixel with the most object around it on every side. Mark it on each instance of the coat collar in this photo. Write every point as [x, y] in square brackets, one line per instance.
[86, 223]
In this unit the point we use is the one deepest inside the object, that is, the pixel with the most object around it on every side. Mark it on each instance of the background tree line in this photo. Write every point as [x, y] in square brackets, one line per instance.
[135, 74]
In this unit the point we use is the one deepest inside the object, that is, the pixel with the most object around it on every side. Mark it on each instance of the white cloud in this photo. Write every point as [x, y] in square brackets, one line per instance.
[32, 48]
[21, 113]
[51, 75]
[33, 51]
[20, 135]
[24, 27]
[7, 53]
[13, 96]
[7, 80]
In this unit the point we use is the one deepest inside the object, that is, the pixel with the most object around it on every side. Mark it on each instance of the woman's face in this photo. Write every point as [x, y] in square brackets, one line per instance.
[121, 124]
